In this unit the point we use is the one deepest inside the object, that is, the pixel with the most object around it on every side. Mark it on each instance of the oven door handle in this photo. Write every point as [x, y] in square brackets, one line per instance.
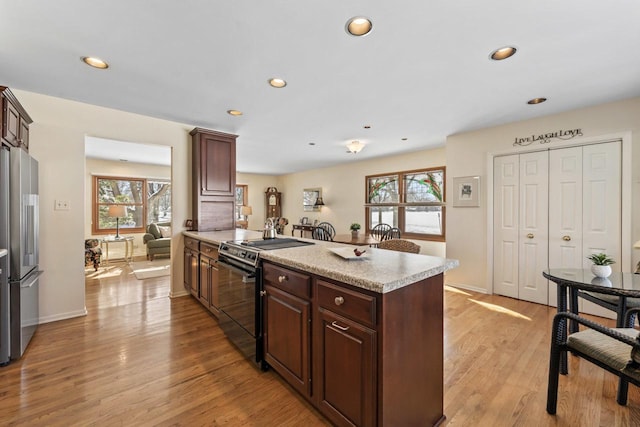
[234, 268]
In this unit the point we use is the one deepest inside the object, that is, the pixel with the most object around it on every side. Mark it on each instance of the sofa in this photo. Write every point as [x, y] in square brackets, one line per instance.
[157, 239]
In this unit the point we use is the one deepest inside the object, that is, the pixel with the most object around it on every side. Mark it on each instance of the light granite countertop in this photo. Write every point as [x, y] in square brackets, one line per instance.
[378, 270]
[3, 252]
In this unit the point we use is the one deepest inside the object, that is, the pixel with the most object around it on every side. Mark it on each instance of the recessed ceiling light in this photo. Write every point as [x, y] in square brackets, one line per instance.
[404, 139]
[234, 112]
[95, 62]
[503, 53]
[536, 101]
[359, 26]
[277, 83]
[312, 143]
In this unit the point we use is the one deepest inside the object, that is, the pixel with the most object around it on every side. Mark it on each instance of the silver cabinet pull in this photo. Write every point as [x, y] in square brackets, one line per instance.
[339, 300]
[342, 328]
[566, 238]
[530, 235]
[282, 278]
[263, 293]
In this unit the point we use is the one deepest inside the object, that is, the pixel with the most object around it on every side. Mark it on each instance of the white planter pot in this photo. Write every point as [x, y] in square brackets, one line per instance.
[601, 270]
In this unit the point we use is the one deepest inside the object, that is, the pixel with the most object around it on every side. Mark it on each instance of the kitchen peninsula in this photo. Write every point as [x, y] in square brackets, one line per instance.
[361, 339]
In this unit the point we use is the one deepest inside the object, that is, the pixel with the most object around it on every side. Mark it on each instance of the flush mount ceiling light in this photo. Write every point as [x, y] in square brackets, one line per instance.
[536, 101]
[355, 147]
[277, 83]
[359, 26]
[503, 53]
[95, 62]
[234, 112]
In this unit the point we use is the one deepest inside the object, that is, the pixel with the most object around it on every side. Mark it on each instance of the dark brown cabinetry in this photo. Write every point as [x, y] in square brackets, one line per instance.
[201, 272]
[345, 346]
[14, 123]
[191, 267]
[375, 359]
[213, 180]
[287, 335]
[273, 203]
[209, 291]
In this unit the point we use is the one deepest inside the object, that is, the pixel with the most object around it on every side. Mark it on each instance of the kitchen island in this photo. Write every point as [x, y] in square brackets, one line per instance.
[361, 338]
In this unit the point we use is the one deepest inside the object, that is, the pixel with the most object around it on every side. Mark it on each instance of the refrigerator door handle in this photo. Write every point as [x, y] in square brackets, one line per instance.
[31, 280]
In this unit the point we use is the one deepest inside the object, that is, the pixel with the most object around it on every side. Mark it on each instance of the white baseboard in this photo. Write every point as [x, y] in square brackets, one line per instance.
[63, 316]
[468, 287]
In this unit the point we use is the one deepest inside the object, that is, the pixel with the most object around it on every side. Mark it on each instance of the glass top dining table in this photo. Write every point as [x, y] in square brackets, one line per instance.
[360, 239]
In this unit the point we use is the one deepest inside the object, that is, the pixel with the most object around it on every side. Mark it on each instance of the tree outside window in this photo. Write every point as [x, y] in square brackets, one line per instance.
[137, 195]
[242, 197]
[413, 201]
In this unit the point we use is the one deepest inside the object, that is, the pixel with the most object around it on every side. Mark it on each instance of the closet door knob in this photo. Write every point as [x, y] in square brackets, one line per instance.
[530, 235]
[566, 238]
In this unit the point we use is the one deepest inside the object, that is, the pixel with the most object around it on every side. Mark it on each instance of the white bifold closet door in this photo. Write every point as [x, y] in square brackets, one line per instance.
[552, 209]
[586, 193]
[521, 226]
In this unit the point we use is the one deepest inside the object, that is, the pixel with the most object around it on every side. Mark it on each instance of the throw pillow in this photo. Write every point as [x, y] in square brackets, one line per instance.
[154, 230]
[165, 231]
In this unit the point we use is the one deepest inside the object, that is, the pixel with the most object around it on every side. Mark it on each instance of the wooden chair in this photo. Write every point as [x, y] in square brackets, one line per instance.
[393, 233]
[616, 350]
[320, 233]
[328, 228]
[378, 231]
[399, 245]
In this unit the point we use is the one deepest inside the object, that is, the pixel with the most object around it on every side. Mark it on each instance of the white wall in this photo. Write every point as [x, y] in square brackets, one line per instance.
[119, 169]
[344, 190]
[468, 231]
[57, 142]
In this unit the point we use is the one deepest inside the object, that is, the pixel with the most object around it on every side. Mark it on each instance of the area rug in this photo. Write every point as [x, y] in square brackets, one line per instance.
[149, 269]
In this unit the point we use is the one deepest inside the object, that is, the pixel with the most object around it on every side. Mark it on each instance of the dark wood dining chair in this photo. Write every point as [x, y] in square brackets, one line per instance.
[393, 233]
[328, 228]
[320, 233]
[378, 231]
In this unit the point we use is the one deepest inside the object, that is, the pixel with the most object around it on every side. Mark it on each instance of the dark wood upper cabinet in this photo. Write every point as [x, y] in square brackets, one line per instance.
[213, 179]
[14, 122]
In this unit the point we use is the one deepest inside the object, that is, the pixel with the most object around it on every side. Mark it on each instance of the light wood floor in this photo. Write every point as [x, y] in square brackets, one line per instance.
[140, 358]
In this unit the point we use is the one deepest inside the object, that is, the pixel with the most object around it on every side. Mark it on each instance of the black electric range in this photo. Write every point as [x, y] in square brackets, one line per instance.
[238, 291]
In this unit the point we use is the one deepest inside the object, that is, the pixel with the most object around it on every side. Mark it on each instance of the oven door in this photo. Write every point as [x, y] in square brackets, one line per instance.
[238, 297]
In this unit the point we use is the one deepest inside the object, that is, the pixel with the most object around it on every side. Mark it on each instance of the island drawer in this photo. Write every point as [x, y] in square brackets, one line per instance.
[295, 283]
[351, 304]
[209, 250]
[192, 243]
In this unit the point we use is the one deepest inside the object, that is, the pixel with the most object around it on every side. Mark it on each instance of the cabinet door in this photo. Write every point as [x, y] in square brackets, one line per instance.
[205, 280]
[217, 167]
[11, 123]
[347, 375]
[286, 337]
[187, 270]
[193, 273]
[24, 134]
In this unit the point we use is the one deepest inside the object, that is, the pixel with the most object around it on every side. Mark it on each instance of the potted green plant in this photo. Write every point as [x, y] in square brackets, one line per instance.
[354, 227]
[601, 264]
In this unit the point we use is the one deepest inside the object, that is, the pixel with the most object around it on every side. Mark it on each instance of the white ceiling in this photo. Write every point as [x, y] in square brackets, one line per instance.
[107, 149]
[423, 73]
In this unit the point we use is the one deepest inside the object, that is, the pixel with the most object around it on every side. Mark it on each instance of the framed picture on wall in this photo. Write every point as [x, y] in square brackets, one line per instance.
[466, 191]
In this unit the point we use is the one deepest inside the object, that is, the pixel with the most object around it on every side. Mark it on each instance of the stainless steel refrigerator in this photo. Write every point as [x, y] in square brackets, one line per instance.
[19, 227]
